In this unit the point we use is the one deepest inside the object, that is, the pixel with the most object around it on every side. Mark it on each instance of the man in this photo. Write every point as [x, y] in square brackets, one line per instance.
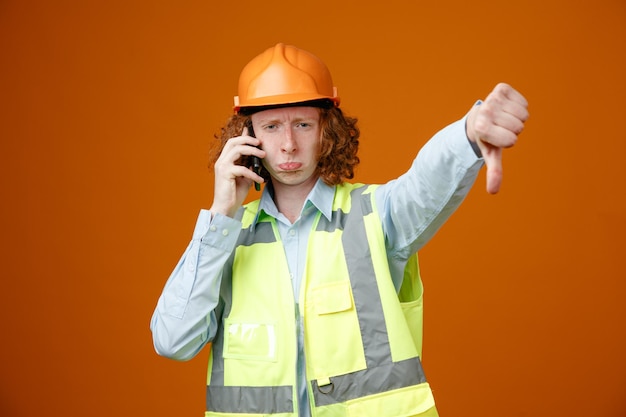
[311, 296]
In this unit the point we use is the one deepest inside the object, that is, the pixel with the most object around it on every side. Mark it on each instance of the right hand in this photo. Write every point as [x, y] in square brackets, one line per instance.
[232, 181]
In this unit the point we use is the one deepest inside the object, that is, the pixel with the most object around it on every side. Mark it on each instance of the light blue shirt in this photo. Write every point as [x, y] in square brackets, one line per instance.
[412, 208]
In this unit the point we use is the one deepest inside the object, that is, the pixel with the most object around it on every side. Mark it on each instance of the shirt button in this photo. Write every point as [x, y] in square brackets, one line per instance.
[213, 228]
[225, 232]
[292, 232]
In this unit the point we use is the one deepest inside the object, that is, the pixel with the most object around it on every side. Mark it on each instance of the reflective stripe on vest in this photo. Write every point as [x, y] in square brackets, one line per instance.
[381, 374]
[260, 400]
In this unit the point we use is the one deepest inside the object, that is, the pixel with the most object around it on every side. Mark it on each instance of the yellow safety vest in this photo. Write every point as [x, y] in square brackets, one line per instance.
[362, 339]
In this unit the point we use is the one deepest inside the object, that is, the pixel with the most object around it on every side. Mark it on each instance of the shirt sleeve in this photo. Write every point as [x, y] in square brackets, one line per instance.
[415, 205]
[184, 319]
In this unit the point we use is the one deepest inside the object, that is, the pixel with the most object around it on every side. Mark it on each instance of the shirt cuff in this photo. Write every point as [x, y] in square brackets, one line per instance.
[217, 230]
[460, 145]
[474, 145]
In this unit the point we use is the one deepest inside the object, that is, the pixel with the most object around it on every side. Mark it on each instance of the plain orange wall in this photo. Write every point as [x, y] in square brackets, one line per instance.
[107, 110]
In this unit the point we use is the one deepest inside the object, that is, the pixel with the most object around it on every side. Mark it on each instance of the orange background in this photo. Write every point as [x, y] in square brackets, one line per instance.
[107, 111]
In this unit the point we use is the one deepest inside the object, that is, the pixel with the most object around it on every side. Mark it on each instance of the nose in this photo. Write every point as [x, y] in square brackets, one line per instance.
[288, 144]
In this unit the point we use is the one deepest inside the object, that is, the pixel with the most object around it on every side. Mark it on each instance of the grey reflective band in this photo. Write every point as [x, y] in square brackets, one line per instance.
[369, 381]
[337, 222]
[217, 355]
[364, 285]
[262, 232]
[257, 400]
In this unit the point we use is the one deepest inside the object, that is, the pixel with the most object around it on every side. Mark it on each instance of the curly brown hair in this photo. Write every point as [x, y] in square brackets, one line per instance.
[338, 152]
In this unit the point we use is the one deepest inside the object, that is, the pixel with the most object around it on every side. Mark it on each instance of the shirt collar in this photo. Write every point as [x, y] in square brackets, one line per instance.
[321, 197]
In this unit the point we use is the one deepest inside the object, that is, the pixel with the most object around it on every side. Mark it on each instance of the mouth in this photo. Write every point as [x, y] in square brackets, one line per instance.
[290, 166]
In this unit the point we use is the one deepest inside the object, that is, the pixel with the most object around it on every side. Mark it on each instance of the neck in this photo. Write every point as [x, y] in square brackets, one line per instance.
[289, 199]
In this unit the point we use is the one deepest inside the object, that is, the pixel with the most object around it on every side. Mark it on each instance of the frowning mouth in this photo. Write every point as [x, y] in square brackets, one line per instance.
[290, 166]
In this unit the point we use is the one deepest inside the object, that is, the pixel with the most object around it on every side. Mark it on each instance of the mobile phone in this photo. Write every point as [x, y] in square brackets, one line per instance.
[255, 161]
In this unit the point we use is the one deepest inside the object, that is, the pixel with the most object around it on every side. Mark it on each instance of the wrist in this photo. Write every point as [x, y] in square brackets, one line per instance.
[216, 209]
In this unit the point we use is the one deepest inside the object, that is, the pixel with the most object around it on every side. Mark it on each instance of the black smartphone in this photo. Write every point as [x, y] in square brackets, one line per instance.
[254, 161]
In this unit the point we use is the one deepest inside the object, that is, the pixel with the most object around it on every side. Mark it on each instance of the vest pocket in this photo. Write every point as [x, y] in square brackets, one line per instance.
[332, 298]
[413, 314]
[254, 341]
[333, 339]
[411, 301]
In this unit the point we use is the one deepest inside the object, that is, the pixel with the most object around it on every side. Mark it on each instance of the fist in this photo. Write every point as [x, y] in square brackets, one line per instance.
[495, 124]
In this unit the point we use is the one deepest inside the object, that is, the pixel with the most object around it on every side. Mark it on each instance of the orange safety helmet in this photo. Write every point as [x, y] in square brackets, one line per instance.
[284, 74]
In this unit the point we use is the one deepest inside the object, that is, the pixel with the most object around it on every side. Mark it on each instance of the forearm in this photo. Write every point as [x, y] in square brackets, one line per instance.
[419, 202]
[184, 319]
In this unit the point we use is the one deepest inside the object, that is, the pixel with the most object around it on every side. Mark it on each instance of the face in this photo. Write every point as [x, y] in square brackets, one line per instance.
[290, 137]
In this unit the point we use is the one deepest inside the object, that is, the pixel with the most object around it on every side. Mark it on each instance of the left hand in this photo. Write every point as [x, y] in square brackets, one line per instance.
[494, 125]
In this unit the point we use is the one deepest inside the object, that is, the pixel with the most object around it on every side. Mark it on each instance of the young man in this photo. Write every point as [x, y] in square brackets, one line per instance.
[311, 296]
